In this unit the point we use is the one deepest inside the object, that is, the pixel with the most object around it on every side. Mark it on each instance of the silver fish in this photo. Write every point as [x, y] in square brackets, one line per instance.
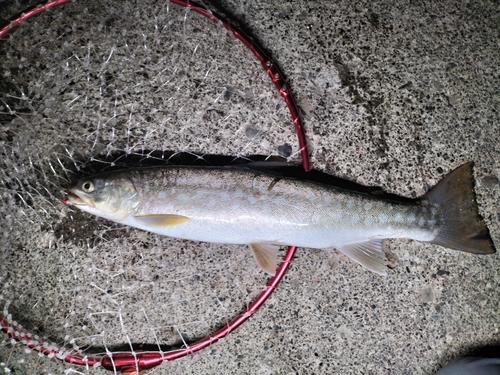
[249, 206]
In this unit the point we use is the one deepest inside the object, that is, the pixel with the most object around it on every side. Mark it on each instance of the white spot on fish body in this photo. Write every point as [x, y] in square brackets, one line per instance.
[251, 198]
[411, 217]
[350, 205]
[421, 222]
[338, 206]
[212, 203]
[368, 206]
[398, 217]
[184, 197]
[162, 195]
[383, 218]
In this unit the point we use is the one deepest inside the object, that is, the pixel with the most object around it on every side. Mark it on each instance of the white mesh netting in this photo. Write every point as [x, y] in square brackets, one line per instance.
[90, 85]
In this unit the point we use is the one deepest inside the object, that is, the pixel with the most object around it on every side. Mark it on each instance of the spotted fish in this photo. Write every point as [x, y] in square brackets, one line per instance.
[249, 206]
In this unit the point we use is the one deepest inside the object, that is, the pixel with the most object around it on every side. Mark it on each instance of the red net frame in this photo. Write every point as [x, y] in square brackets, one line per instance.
[135, 362]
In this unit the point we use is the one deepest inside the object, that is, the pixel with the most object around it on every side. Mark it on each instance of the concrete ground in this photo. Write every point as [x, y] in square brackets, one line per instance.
[393, 94]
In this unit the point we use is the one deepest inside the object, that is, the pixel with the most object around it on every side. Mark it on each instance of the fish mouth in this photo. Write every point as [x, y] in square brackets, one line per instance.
[75, 200]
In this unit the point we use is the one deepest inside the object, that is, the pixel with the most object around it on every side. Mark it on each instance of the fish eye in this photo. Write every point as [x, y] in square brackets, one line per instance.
[88, 186]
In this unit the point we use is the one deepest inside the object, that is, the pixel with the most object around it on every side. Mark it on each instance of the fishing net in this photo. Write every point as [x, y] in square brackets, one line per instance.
[95, 85]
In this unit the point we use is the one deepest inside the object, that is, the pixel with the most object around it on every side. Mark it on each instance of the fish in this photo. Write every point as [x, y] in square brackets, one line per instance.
[263, 209]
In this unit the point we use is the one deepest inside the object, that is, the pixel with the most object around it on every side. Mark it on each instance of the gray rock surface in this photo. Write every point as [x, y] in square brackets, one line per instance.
[393, 94]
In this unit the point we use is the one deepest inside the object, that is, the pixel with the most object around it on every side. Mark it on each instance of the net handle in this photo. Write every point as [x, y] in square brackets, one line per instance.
[135, 362]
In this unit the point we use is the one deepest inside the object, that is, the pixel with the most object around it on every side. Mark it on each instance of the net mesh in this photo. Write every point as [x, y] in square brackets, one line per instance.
[94, 85]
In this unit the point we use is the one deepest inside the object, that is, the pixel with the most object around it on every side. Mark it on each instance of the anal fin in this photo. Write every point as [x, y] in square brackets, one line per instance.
[369, 254]
[266, 256]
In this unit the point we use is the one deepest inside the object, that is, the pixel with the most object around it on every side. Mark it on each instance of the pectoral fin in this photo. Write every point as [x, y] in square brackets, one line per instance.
[161, 220]
[369, 254]
[266, 256]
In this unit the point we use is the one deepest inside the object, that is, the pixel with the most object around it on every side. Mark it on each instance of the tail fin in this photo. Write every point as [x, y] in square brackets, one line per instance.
[463, 228]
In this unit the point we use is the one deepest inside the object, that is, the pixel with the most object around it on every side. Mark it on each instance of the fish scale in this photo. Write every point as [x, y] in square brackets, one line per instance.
[334, 217]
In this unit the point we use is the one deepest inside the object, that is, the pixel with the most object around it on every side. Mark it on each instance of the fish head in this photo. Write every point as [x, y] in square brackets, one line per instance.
[113, 197]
